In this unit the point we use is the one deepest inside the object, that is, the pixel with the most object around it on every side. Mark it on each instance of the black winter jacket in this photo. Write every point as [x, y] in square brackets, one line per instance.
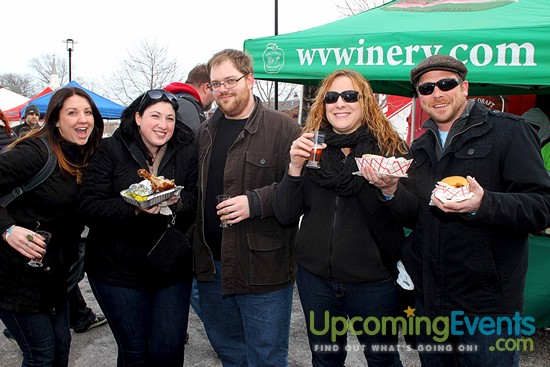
[340, 238]
[119, 240]
[475, 263]
[53, 206]
[4, 138]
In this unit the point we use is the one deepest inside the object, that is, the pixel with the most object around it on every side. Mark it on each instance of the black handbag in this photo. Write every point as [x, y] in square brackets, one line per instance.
[171, 249]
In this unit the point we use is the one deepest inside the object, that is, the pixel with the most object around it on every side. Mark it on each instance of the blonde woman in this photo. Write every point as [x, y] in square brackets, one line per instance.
[348, 242]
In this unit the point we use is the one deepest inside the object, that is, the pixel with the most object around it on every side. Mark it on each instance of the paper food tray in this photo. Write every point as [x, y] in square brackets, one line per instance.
[153, 199]
[387, 166]
[442, 190]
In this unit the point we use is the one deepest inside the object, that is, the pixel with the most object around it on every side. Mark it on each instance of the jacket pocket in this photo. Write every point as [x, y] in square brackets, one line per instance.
[475, 160]
[260, 169]
[269, 258]
[475, 151]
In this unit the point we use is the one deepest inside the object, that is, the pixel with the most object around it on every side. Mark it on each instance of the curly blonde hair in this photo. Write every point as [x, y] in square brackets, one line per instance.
[388, 139]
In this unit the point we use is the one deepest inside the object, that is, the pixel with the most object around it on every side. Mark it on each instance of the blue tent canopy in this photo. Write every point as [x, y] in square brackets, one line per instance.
[107, 108]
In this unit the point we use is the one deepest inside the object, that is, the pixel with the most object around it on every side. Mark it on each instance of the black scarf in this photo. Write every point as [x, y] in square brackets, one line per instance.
[336, 169]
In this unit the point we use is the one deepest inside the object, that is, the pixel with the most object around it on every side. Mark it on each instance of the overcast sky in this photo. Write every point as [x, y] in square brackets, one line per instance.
[105, 30]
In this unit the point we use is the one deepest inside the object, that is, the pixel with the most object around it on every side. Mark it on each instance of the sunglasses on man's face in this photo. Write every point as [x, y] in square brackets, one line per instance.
[444, 85]
[349, 96]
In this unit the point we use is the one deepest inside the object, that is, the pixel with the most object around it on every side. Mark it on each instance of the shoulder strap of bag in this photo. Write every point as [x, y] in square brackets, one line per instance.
[40, 177]
[196, 104]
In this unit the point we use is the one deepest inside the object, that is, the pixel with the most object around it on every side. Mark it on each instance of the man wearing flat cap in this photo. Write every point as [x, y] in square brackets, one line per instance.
[30, 120]
[468, 257]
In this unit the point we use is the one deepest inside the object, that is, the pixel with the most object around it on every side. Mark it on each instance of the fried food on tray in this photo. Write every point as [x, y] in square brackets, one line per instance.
[158, 184]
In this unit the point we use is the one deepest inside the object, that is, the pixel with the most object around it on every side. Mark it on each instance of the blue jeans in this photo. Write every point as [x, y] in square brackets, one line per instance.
[149, 326]
[44, 339]
[247, 329]
[195, 300]
[480, 356]
[324, 300]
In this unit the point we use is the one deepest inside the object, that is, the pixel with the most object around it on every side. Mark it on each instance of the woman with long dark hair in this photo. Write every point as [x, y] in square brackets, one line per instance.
[33, 301]
[146, 302]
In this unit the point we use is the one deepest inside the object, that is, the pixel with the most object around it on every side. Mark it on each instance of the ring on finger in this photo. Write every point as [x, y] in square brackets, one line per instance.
[30, 237]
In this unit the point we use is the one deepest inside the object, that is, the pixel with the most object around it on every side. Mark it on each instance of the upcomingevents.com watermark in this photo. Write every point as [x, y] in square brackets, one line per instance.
[513, 329]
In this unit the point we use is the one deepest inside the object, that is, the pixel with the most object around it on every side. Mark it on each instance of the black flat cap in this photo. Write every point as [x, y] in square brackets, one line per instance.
[438, 62]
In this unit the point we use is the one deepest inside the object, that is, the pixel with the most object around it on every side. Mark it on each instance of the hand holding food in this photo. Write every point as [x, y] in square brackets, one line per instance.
[466, 203]
[452, 188]
[392, 166]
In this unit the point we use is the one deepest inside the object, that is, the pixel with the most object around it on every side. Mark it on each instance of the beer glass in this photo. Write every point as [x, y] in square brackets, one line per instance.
[37, 262]
[315, 155]
[219, 199]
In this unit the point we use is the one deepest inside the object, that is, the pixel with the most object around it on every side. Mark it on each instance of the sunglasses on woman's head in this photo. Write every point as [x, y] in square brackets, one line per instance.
[155, 94]
[444, 85]
[349, 96]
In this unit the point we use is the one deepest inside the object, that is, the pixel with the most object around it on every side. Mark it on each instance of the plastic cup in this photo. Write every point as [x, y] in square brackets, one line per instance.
[219, 199]
[37, 263]
[315, 155]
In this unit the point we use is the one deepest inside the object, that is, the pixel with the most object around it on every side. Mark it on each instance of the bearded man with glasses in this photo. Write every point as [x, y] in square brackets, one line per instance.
[245, 272]
[468, 257]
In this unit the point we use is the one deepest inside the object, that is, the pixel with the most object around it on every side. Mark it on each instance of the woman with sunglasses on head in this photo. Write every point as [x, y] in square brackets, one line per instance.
[33, 300]
[146, 304]
[348, 242]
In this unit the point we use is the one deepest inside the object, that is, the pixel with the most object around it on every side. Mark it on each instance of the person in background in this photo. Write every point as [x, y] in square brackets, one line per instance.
[81, 317]
[468, 259]
[146, 304]
[33, 301]
[194, 97]
[346, 233]
[31, 116]
[245, 273]
[6, 133]
[539, 121]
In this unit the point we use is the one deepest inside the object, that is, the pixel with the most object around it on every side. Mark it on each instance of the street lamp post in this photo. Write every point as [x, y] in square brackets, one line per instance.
[70, 47]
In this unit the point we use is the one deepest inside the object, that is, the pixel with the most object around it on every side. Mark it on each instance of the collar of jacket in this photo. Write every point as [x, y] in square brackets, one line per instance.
[252, 123]
[474, 115]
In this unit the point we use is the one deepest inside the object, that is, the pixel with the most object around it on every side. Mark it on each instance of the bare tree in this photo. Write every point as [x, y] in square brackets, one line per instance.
[23, 83]
[44, 66]
[266, 89]
[351, 7]
[147, 67]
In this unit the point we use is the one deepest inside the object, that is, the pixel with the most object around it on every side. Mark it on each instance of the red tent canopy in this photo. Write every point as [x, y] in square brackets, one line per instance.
[13, 113]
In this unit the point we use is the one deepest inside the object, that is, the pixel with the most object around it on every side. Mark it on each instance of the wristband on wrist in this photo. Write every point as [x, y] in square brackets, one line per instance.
[7, 232]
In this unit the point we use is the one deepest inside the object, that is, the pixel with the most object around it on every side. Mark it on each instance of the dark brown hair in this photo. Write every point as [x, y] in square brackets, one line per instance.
[198, 75]
[51, 132]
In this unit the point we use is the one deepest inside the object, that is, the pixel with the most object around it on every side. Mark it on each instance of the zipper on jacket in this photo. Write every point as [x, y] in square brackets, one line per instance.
[203, 189]
[448, 143]
[332, 226]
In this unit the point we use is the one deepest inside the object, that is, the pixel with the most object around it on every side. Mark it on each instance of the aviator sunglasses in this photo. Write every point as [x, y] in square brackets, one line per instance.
[349, 96]
[444, 85]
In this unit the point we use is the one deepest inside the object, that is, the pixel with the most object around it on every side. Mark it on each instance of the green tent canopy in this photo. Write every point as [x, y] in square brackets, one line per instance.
[504, 43]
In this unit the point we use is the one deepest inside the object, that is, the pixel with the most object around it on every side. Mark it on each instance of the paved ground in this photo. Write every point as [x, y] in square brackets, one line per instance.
[97, 348]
